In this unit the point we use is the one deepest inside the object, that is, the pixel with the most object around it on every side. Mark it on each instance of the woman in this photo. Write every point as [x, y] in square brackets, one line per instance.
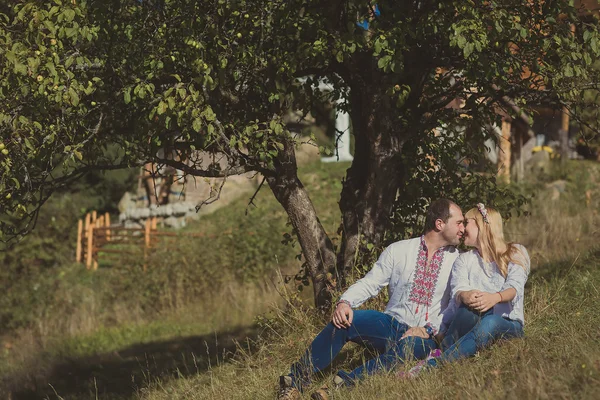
[487, 285]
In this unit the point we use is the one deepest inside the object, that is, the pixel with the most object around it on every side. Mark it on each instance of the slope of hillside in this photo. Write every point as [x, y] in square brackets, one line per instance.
[173, 331]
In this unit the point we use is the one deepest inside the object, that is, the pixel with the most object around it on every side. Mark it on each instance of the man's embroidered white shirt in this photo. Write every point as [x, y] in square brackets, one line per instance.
[397, 269]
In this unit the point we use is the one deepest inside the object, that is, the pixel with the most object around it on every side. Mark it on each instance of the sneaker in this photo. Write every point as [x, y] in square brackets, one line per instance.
[416, 370]
[286, 389]
[324, 391]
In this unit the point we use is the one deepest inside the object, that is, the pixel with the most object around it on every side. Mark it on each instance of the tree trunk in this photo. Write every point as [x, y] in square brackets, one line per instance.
[317, 248]
[372, 181]
[367, 197]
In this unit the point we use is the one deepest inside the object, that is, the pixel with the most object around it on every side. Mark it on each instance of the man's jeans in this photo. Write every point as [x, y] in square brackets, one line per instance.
[471, 331]
[373, 329]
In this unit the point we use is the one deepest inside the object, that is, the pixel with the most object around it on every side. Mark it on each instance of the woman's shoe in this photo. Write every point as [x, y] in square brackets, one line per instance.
[416, 370]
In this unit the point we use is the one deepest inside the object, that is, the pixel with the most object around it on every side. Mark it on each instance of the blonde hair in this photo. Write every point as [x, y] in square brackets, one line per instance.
[491, 240]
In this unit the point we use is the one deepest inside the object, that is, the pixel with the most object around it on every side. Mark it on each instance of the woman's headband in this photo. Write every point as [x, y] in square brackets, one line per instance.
[483, 212]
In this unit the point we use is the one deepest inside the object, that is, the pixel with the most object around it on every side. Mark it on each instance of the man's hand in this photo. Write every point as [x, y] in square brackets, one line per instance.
[469, 298]
[484, 301]
[418, 331]
[342, 316]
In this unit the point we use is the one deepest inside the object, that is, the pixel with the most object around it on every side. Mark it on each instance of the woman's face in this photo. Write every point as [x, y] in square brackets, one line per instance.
[471, 232]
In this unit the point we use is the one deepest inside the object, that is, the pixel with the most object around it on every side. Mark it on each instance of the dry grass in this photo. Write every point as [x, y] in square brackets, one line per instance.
[561, 227]
[559, 358]
[130, 357]
[34, 359]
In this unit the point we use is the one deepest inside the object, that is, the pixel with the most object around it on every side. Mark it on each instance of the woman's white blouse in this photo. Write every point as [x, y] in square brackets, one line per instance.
[471, 272]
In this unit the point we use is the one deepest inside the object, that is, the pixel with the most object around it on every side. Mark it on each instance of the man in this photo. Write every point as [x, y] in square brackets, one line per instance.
[417, 273]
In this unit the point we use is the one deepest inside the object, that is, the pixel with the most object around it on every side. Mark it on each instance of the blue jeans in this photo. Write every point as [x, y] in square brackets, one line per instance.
[471, 331]
[373, 329]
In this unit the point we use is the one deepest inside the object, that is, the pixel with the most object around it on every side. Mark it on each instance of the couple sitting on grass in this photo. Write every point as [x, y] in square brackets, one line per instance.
[443, 305]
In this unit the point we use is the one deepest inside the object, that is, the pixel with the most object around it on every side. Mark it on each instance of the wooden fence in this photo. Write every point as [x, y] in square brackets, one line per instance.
[95, 234]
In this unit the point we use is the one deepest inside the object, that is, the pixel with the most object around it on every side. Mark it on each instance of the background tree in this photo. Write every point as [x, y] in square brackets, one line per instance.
[217, 76]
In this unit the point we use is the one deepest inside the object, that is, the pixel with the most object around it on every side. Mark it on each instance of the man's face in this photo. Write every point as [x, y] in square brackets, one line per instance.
[453, 230]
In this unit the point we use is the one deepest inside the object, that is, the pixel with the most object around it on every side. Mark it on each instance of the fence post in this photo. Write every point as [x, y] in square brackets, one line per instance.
[99, 223]
[79, 238]
[90, 243]
[107, 225]
[147, 242]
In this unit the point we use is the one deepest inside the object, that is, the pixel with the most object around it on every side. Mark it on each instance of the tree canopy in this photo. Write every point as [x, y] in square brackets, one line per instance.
[80, 76]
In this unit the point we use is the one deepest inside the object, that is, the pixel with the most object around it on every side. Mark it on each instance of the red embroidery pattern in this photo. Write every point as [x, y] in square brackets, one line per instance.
[425, 277]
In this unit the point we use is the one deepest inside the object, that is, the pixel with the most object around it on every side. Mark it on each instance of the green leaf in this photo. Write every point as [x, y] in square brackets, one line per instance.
[74, 97]
[209, 114]
[523, 33]
[171, 102]
[127, 95]
[468, 49]
[568, 71]
[586, 35]
[383, 62]
[162, 108]
[69, 14]
[197, 125]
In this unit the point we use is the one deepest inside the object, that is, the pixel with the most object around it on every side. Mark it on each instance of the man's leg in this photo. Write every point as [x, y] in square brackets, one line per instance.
[397, 352]
[489, 329]
[371, 328]
[464, 320]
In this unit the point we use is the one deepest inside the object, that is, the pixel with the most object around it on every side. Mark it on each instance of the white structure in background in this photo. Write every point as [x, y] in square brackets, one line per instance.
[342, 128]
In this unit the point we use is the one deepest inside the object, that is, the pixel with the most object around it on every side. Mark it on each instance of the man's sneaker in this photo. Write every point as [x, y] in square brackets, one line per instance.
[324, 391]
[286, 389]
[416, 370]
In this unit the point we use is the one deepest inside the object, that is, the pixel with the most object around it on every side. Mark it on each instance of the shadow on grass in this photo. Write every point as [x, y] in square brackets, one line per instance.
[120, 374]
[559, 269]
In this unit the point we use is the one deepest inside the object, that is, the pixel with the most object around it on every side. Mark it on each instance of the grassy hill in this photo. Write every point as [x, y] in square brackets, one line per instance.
[170, 333]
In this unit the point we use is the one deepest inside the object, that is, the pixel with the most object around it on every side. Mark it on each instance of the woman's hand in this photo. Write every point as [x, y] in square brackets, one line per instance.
[469, 298]
[484, 301]
[342, 316]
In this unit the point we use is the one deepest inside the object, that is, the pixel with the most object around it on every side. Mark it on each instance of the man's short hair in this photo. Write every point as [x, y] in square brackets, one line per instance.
[439, 209]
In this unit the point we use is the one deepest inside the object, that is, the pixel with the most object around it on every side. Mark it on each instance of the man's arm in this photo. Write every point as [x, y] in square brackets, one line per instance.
[369, 286]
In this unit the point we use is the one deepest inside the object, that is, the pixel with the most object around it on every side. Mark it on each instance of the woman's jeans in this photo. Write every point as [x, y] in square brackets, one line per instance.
[375, 330]
[471, 331]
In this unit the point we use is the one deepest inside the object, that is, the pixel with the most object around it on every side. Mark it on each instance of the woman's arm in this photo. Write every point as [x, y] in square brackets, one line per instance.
[459, 282]
[483, 301]
[517, 274]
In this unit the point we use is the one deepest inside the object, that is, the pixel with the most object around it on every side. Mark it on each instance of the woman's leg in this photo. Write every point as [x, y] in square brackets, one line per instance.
[371, 328]
[489, 329]
[464, 320]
